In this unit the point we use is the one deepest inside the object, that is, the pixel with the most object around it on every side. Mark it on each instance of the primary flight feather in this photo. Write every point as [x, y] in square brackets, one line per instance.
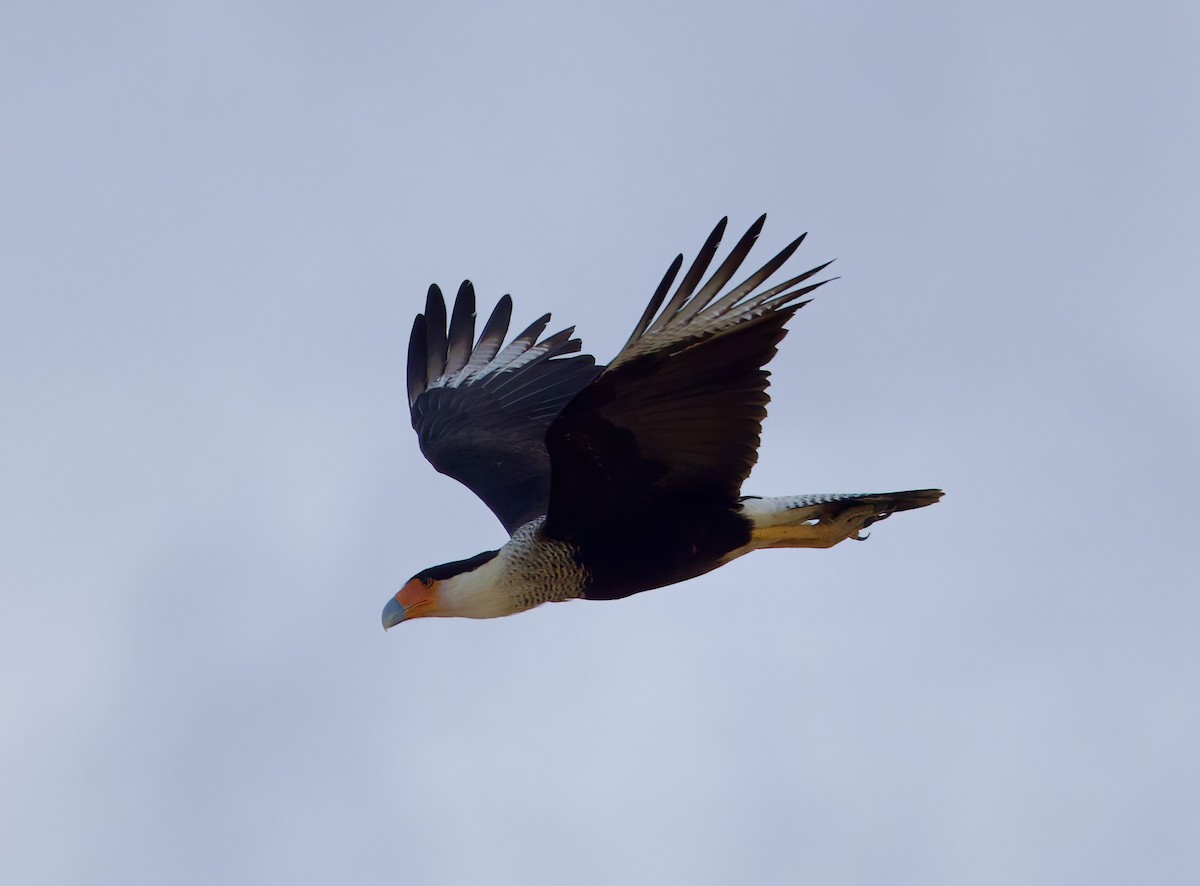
[615, 479]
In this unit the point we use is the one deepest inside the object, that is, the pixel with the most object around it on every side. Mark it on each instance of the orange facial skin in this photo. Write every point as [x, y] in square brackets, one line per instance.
[418, 597]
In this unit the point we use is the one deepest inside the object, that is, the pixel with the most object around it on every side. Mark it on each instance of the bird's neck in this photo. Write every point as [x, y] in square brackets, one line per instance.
[480, 593]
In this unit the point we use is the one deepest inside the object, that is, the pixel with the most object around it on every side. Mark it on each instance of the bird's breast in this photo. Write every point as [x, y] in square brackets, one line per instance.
[541, 570]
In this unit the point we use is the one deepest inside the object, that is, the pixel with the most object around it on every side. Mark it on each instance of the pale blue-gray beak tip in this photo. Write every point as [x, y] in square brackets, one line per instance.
[393, 614]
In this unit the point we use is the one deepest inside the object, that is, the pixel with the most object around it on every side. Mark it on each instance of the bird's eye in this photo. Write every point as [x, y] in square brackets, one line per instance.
[426, 581]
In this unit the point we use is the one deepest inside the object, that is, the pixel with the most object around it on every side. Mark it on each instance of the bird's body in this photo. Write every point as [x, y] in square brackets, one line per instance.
[619, 479]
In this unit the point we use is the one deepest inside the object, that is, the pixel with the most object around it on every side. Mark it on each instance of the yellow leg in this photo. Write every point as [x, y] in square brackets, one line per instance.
[823, 532]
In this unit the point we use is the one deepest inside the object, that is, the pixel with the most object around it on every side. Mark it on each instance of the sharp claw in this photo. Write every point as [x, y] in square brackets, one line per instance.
[858, 536]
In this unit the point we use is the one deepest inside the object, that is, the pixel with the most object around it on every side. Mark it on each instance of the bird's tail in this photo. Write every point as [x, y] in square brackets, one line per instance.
[821, 521]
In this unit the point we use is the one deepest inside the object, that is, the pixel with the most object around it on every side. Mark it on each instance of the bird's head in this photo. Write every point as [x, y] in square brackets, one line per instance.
[463, 587]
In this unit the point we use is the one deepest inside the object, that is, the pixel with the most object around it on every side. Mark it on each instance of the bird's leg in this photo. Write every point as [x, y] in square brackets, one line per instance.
[818, 532]
[849, 523]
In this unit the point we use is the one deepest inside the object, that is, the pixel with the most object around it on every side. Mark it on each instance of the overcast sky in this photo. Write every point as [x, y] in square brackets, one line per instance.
[216, 223]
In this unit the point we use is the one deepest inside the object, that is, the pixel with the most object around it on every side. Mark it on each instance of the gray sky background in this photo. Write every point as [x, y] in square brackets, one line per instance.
[216, 223]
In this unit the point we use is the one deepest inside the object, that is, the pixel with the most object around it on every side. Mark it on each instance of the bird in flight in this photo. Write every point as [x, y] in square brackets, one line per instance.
[612, 480]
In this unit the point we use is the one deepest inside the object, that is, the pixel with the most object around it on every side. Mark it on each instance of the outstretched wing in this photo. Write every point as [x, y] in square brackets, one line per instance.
[676, 416]
[481, 409]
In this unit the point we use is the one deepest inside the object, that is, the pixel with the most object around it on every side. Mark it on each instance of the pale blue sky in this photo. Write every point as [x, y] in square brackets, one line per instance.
[216, 223]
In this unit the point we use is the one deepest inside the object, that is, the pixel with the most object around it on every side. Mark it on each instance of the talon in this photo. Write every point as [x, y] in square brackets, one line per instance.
[858, 536]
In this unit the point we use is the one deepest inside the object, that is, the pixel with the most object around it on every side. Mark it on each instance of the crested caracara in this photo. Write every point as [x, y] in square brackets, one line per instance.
[615, 479]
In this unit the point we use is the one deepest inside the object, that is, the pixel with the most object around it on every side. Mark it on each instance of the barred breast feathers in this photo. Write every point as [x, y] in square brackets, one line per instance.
[540, 570]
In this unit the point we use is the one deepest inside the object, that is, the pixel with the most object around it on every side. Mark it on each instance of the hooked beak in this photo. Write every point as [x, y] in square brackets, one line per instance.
[412, 601]
[393, 613]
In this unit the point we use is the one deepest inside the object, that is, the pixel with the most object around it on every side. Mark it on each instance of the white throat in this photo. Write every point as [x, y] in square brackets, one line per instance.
[480, 593]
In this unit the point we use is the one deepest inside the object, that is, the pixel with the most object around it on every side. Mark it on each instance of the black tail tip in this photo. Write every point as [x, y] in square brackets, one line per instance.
[916, 498]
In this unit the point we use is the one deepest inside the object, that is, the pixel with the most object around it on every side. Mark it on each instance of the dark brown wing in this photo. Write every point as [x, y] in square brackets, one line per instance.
[676, 416]
[481, 409]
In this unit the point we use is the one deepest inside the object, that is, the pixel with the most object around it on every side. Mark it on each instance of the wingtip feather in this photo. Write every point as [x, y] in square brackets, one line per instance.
[435, 333]
[461, 337]
[655, 300]
[694, 273]
[418, 379]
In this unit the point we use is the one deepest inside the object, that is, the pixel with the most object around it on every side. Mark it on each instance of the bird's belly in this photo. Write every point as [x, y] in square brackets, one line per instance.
[658, 549]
